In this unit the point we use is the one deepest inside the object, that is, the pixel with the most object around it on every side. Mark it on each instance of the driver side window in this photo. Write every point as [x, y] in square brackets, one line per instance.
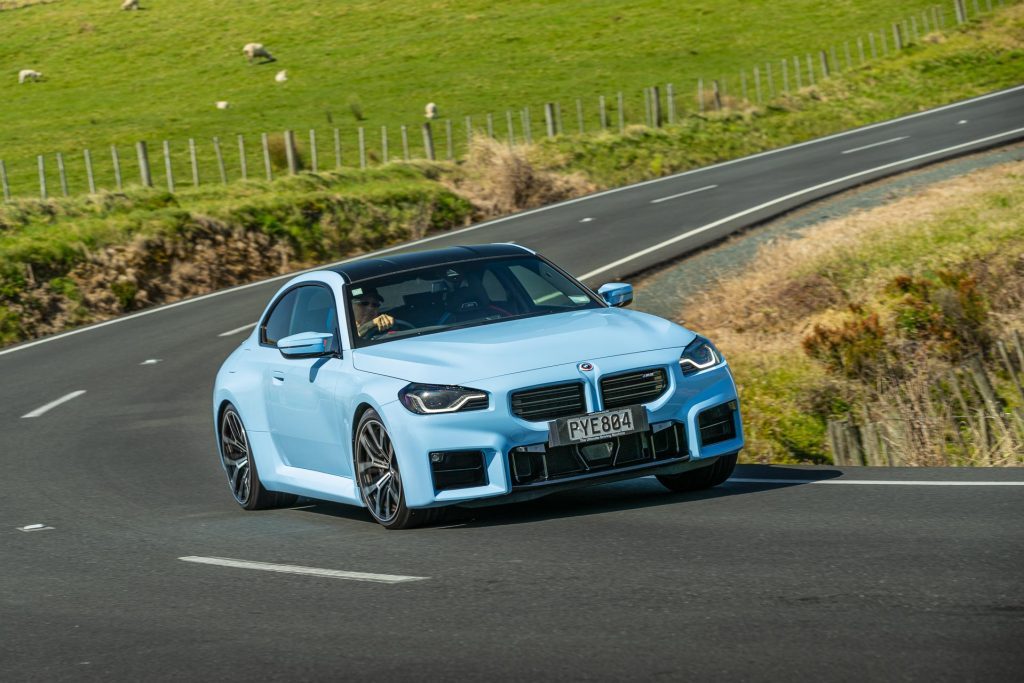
[309, 308]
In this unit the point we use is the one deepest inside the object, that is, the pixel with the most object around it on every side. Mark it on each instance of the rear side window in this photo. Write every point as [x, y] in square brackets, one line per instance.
[303, 309]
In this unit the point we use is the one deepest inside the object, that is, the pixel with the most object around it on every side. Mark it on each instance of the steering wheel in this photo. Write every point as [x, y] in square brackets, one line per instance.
[398, 325]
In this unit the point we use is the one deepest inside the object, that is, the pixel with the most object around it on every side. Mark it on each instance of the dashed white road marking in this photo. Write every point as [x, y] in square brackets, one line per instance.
[53, 404]
[682, 194]
[875, 482]
[792, 195]
[243, 328]
[151, 361]
[961, 122]
[874, 144]
[586, 220]
[35, 527]
[308, 571]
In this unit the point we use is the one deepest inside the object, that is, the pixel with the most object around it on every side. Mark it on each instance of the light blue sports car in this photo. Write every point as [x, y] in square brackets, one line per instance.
[469, 376]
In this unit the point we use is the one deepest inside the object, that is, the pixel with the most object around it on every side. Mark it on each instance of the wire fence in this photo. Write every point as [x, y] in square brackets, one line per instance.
[177, 164]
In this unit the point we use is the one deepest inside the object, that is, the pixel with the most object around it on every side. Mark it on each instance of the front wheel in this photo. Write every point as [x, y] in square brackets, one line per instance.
[702, 477]
[378, 476]
[243, 479]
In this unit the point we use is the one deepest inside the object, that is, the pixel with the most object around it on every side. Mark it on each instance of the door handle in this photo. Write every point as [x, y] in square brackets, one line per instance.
[278, 376]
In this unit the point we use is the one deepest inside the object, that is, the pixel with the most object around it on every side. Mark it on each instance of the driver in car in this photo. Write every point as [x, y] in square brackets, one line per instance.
[366, 306]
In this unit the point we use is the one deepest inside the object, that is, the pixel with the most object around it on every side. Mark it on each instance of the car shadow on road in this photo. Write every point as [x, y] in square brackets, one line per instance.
[632, 494]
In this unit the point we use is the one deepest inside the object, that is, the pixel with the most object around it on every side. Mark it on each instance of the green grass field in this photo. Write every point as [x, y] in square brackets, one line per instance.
[119, 77]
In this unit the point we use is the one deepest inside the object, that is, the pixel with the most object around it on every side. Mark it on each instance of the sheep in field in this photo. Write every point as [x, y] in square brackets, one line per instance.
[281, 76]
[28, 75]
[254, 50]
[222, 104]
[130, 4]
[430, 111]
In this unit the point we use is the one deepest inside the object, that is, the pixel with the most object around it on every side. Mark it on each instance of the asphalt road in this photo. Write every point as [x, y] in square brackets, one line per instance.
[894, 578]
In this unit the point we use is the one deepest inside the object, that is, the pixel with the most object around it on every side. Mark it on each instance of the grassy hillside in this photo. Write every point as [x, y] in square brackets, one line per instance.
[901, 326]
[118, 77]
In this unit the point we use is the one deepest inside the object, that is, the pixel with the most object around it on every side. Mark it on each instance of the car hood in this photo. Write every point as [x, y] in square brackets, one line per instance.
[476, 353]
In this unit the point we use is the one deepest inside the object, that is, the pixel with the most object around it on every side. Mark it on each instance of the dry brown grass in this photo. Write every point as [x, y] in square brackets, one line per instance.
[839, 274]
[499, 179]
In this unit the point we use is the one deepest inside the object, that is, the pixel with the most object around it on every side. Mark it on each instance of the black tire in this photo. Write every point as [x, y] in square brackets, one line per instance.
[243, 477]
[374, 458]
[702, 477]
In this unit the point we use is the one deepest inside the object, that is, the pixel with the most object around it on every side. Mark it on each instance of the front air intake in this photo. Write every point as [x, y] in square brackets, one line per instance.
[633, 388]
[548, 403]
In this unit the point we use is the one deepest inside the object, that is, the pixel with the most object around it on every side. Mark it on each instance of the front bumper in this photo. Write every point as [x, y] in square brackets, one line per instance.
[505, 442]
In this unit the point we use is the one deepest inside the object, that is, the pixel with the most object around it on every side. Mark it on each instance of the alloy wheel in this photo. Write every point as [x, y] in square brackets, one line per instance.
[377, 470]
[234, 449]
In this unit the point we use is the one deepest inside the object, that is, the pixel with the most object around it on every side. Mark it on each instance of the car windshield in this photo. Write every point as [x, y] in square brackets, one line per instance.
[464, 294]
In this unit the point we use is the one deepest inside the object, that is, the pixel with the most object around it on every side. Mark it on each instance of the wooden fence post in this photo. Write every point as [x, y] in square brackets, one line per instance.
[670, 99]
[579, 115]
[89, 176]
[602, 111]
[3, 181]
[656, 105]
[622, 112]
[549, 119]
[511, 128]
[647, 107]
[193, 162]
[384, 144]
[117, 166]
[449, 141]
[757, 83]
[796, 73]
[42, 177]
[717, 94]
[337, 148]
[362, 147]
[428, 140]
[220, 161]
[145, 174]
[823, 58]
[810, 69]
[785, 76]
[860, 50]
[62, 173]
[771, 80]
[266, 156]
[313, 165]
[168, 171]
[897, 36]
[242, 162]
[961, 11]
[871, 42]
[469, 132]
[700, 95]
[289, 152]
[405, 142]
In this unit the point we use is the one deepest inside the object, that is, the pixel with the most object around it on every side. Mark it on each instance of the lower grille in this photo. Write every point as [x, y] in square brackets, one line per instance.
[457, 469]
[717, 424]
[537, 464]
[548, 403]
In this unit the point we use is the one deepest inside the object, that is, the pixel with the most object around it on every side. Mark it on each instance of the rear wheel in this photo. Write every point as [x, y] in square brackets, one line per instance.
[243, 479]
[702, 477]
[378, 477]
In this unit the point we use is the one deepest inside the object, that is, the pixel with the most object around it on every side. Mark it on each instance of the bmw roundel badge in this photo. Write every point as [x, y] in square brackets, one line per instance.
[586, 366]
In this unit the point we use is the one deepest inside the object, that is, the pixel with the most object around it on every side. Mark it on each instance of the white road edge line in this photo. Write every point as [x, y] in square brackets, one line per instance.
[243, 328]
[682, 194]
[877, 482]
[53, 404]
[307, 571]
[791, 195]
[874, 144]
[514, 216]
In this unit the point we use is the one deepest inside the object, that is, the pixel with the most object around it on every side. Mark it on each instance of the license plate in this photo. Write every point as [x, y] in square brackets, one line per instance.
[597, 426]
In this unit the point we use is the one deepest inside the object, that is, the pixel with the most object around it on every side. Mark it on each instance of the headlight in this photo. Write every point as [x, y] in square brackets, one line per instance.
[699, 355]
[427, 399]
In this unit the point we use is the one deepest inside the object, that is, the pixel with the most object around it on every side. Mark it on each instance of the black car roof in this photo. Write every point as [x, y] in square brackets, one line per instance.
[365, 269]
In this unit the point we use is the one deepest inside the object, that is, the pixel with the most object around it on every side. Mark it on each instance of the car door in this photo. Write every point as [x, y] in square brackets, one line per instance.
[301, 412]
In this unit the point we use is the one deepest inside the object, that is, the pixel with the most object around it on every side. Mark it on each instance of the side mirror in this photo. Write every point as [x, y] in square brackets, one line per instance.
[616, 293]
[307, 345]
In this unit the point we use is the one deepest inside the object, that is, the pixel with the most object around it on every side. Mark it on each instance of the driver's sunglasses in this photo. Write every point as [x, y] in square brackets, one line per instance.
[373, 303]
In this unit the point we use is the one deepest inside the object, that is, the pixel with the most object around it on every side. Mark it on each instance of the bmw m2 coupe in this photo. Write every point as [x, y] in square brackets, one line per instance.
[465, 376]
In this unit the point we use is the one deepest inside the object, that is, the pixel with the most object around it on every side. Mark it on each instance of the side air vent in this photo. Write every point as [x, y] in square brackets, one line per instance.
[548, 403]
